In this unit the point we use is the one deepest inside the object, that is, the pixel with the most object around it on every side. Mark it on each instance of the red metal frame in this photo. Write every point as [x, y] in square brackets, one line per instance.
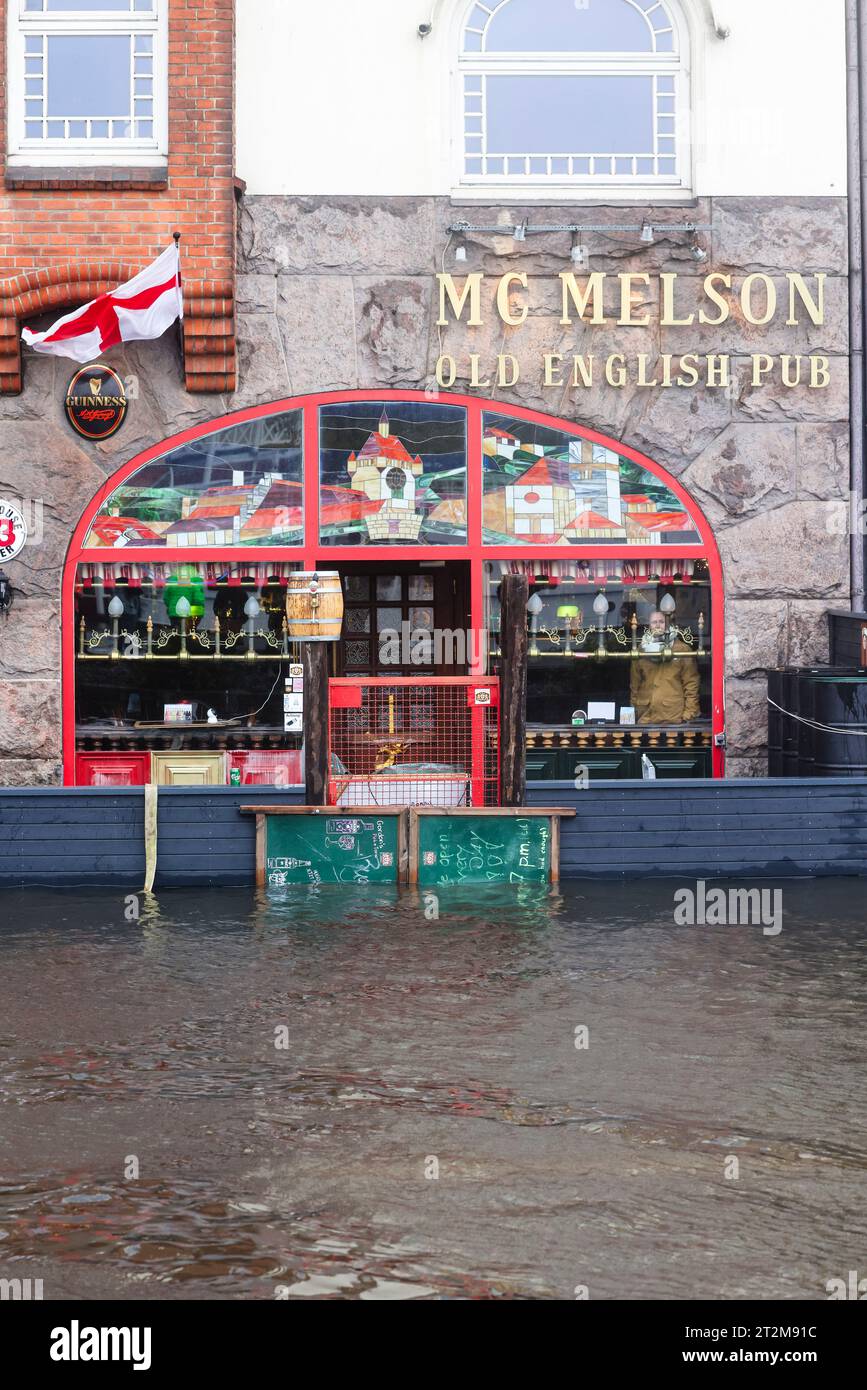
[310, 555]
[342, 685]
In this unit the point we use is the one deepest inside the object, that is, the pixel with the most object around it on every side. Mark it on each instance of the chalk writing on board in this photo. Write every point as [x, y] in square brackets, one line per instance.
[338, 849]
[514, 850]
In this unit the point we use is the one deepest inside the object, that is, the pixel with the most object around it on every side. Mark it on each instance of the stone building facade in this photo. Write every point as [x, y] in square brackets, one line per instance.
[340, 291]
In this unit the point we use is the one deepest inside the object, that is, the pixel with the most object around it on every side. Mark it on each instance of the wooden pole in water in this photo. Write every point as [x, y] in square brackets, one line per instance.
[314, 658]
[514, 592]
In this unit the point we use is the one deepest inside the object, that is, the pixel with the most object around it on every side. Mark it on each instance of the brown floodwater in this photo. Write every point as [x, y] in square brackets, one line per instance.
[331, 1094]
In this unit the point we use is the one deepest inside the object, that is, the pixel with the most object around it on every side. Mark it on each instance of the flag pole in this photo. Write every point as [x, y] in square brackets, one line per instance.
[181, 350]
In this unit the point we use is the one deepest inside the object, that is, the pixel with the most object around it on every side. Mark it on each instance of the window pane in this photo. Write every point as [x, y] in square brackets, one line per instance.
[389, 587]
[392, 474]
[555, 687]
[119, 6]
[559, 26]
[421, 586]
[545, 487]
[237, 486]
[389, 619]
[89, 75]
[570, 115]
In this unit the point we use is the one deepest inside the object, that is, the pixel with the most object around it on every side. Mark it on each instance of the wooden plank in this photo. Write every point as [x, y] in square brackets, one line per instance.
[524, 812]
[555, 849]
[261, 845]
[150, 835]
[514, 593]
[314, 658]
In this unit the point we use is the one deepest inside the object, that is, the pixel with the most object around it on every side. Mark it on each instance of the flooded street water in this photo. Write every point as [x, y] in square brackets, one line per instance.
[287, 1076]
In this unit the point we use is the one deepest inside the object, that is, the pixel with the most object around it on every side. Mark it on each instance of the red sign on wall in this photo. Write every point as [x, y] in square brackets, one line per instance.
[13, 531]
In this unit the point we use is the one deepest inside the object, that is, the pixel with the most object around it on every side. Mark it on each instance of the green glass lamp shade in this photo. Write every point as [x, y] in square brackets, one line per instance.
[192, 589]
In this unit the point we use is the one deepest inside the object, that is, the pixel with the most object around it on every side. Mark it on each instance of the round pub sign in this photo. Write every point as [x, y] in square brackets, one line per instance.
[96, 402]
[13, 531]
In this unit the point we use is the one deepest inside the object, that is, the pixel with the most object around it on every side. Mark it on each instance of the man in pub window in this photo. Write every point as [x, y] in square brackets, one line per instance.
[664, 690]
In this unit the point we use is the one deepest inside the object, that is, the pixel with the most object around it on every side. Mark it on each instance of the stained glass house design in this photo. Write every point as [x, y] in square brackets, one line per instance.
[547, 488]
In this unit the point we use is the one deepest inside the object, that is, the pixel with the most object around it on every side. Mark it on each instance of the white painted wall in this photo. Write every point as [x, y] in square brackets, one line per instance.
[343, 97]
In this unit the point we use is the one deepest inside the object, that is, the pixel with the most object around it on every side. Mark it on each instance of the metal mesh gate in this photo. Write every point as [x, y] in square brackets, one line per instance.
[414, 742]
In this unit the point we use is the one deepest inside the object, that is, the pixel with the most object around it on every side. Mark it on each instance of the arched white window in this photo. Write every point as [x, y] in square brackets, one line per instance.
[87, 81]
[587, 93]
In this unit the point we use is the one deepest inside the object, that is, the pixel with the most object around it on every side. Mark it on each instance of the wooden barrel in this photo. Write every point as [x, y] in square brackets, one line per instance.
[314, 616]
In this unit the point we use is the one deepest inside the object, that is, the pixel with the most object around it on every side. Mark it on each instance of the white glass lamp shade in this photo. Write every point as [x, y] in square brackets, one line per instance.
[534, 605]
[667, 605]
[600, 605]
[115, 608]
[251, 607]
[182, 608]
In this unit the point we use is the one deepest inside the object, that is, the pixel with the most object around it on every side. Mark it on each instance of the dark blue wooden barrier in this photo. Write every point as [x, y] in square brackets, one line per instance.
[746, 827]
[742, 828]
[92, 836]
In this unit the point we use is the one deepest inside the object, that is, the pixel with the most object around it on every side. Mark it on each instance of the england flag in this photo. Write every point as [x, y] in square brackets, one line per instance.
[142, 308]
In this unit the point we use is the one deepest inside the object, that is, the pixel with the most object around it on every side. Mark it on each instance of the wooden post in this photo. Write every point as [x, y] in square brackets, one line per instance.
[314, 658]
[514, 592]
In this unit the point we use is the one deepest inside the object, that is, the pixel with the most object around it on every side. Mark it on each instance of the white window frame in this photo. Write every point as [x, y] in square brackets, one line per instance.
[51, 153]
[559, 188]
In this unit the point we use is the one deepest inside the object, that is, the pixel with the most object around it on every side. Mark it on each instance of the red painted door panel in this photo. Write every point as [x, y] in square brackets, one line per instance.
[111, 769]
[273, 767]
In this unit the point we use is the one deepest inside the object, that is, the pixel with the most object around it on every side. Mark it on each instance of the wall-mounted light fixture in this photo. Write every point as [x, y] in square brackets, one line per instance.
[579, 255]
[646, 231]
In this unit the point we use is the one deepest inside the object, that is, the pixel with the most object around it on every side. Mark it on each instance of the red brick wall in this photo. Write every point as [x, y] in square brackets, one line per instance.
[65, 239]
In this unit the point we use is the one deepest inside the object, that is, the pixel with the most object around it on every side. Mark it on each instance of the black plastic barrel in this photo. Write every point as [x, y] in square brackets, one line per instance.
[839, 701]
[803, 732]
[791, 742]
[777, 695]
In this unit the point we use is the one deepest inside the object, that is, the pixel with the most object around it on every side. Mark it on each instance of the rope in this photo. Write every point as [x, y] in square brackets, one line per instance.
[813, 724]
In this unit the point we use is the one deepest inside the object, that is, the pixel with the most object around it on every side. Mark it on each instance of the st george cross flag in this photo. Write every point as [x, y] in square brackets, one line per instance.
[142, 308]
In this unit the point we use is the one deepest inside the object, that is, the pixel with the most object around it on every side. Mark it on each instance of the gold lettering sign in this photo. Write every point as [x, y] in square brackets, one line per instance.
[758, 300]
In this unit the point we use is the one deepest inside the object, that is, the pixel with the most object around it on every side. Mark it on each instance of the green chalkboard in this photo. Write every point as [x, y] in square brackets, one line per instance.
[331, 848]
[483, 849]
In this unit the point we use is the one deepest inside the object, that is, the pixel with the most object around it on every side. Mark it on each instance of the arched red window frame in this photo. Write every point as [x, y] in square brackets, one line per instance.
[310, 555]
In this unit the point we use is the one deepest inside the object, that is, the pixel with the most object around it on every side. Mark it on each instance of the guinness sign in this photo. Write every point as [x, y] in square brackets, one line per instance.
[96, 402]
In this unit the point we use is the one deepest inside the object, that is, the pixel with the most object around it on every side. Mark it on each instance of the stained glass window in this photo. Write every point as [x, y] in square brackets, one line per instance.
[393, 474]
[543, 486]
[237, 486]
